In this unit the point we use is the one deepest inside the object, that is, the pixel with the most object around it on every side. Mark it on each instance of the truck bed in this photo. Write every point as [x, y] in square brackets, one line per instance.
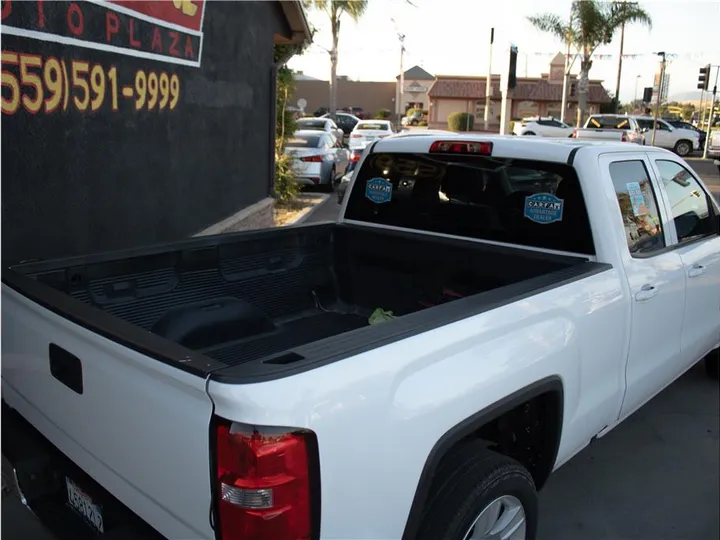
[263, 304]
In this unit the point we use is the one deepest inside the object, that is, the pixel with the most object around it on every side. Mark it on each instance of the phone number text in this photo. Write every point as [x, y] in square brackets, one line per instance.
[47, 85]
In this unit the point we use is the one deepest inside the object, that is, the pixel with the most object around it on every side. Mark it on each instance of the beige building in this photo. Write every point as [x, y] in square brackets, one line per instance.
[370, 95]
[532, 96]
[416, 84]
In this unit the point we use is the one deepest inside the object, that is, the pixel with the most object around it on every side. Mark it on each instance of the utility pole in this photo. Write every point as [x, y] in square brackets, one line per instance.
[637, 80]
[659, 95]
[712, 113]
[488, 86]
[401, 86]
[568, 65]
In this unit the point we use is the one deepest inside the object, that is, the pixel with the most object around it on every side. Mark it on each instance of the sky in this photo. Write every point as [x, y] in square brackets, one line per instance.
[451, 37]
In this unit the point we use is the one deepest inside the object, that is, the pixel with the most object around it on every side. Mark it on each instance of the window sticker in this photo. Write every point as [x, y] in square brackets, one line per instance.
[544, 208]
[378, 190]
[637, 200]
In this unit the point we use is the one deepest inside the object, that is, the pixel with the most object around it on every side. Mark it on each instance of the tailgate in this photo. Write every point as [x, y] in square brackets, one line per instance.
[137, 426]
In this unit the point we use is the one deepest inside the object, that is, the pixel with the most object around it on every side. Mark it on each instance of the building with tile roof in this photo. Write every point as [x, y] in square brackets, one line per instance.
[532, 96]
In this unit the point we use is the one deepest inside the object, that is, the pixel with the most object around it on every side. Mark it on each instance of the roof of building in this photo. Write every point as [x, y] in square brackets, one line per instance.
[530, 89]
[297, 20]
[417, 73]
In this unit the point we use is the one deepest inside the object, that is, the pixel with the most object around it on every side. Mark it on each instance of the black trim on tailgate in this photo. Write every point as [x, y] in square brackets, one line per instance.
[41, 471]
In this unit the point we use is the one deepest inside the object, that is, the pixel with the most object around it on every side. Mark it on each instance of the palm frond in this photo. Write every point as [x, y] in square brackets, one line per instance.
[353, 8]
[552, 24]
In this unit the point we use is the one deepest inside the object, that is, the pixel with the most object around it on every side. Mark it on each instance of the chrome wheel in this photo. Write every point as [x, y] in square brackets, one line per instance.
[502, 519]
[683, 148]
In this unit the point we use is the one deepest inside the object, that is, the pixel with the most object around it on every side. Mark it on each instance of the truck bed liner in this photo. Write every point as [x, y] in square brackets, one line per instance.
[287, 299]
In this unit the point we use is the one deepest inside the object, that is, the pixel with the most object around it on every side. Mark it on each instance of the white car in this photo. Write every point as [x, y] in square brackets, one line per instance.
[542, 127]
[367, 131]
[318, 158]
[484, 309]
[310, 123]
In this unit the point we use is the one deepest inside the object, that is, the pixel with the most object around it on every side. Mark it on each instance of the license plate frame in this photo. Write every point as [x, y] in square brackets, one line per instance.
[84, 506]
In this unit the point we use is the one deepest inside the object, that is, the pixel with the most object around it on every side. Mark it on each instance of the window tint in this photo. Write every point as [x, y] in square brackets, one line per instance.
[638, 206]
[692, 211]
[311, 124]
[304, 141]
[513, 201]
[380, 126]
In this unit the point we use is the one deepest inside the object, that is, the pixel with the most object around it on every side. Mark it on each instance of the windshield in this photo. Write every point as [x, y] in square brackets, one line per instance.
[513, 201]
[304, 141]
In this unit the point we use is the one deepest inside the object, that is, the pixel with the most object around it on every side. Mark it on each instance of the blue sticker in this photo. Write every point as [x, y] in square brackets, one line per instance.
[637, 200]
[543, 208]
[378, 190]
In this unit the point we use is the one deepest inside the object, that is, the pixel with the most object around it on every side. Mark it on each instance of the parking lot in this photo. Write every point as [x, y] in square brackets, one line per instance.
[655, 477]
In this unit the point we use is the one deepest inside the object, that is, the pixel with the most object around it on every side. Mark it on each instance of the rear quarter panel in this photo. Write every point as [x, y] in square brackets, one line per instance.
[378, 415]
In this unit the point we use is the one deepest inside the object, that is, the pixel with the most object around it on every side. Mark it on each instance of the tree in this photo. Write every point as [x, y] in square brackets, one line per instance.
[592, 23]
[623, 10]
[335, 9]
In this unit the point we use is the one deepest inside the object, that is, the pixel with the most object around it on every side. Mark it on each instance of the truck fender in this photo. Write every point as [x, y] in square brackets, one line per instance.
[454, 435]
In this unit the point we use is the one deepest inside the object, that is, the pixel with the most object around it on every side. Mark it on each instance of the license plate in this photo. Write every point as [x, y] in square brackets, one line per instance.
[84, 505]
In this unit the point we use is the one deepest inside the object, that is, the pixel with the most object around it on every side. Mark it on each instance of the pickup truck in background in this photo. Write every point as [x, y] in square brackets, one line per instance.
[638, 129]
[484, 308]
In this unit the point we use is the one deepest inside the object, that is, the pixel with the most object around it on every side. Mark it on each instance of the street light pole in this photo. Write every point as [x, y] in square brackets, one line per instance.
[659, 94]
[488, 86]
[637, 80]
[712, 113]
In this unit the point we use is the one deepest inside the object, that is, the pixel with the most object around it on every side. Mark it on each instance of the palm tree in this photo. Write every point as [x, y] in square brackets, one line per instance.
[643, 17]
[592, 23]
[335, 9]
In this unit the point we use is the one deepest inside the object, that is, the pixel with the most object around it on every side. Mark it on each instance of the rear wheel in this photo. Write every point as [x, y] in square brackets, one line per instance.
[683, 148]
[712, 364]
[529, 133]
[330, 186]
[480, 495]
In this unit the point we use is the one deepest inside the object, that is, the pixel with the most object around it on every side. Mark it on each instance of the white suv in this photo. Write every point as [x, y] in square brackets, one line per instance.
[542, 126]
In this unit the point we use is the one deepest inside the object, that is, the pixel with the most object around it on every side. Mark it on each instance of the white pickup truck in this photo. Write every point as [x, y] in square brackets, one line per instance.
[484, 308]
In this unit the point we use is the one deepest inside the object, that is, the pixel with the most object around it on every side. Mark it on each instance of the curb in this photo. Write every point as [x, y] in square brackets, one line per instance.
[308, 212]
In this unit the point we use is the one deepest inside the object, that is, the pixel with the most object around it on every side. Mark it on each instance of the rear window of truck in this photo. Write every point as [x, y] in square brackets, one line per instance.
[529, 203]
[609, 122]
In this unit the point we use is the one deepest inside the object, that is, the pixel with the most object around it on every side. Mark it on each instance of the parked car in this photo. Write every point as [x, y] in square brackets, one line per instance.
[356, 111]
[345, 121]
[321, 111]
[485, 307]
[543, 127]
[611, 127]
[714, 144]
[682, 141]
[681, 124]
[413, 120]
[367, 131]
[318, 158]
[320, 124]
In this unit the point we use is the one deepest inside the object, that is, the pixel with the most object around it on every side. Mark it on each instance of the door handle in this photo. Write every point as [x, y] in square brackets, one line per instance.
[696, 270]
[645, 293]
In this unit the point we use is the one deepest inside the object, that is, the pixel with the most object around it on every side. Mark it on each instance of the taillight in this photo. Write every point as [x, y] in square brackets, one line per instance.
[265, 480]
[461, 147]
[312, 159]
[355, 157]
[574, 135]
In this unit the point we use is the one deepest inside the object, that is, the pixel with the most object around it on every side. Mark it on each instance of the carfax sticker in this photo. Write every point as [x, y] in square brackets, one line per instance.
[637, 200]
[378, 190]
[543, 208]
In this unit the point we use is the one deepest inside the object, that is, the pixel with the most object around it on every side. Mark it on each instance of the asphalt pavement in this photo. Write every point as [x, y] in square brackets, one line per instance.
[655, 477]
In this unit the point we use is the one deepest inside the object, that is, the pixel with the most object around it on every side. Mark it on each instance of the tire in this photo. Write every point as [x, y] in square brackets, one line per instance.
[712, 364]
[683, 148]
[471, 479]
[529, 133]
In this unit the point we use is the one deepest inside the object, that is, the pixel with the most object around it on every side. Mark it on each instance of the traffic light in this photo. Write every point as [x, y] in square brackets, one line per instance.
[647, 94]
[573, 89]
[512, 75]
[704, 78]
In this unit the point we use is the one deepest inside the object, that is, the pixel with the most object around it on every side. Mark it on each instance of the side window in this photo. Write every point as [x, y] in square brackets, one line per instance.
[645, 124]
[691, 209]
[638, 206]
